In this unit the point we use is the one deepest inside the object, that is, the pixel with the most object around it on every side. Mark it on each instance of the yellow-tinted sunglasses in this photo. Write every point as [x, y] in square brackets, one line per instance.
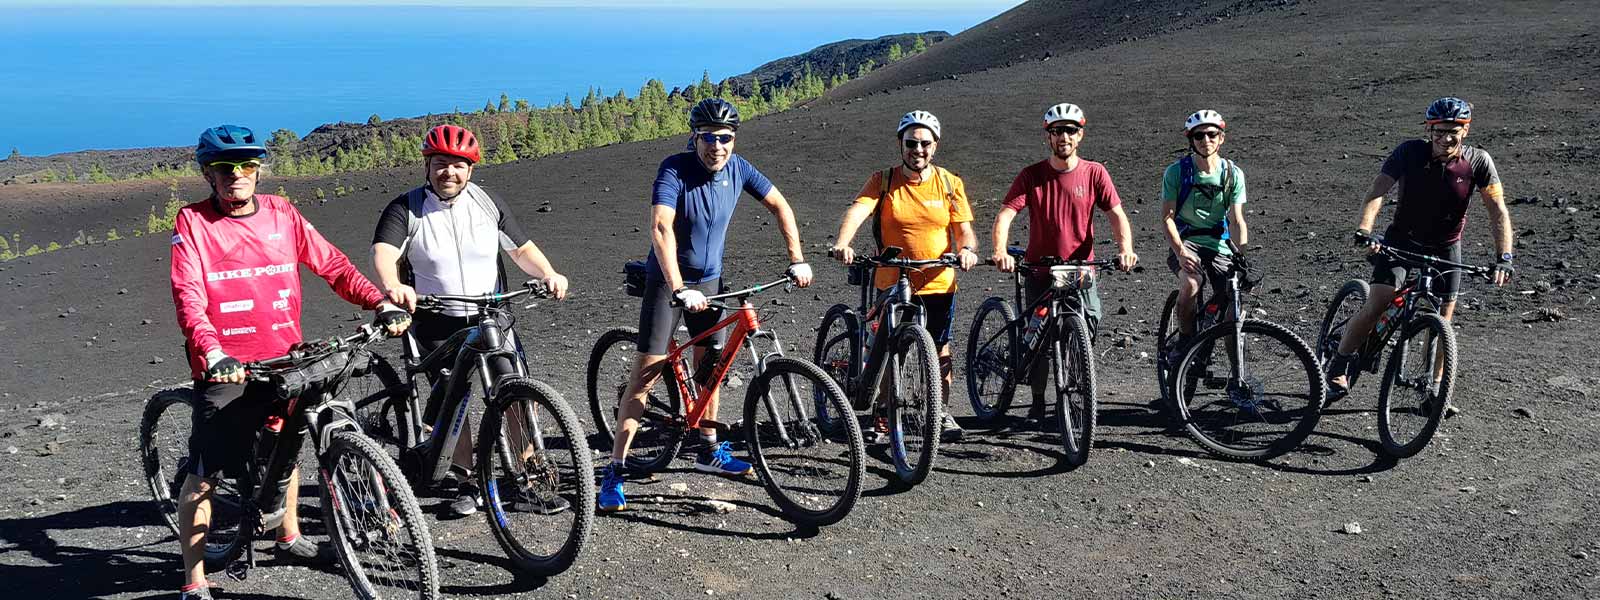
[244, 168]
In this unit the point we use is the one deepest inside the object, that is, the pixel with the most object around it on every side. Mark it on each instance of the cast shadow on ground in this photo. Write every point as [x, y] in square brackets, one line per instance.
[667, 510]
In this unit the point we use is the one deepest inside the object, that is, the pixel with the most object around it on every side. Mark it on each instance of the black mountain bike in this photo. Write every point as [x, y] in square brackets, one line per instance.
[1242, 388]
[373, 520]
[854, 345]
[531, 460]
[1052, 336]
[1422, 360]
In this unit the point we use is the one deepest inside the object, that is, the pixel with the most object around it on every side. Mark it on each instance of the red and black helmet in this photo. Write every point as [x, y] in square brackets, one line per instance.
[452, 140]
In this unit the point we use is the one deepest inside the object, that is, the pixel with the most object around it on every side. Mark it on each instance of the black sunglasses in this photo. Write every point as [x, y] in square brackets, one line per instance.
[1209, 134]
[914, 144]
[712, 138]
[1064, 130]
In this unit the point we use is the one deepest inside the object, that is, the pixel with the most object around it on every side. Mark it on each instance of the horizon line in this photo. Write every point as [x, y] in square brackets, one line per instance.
[979, 5]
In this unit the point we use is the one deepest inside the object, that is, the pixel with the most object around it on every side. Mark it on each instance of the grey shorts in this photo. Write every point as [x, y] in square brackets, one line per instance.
[658, 318]
[1215, 265]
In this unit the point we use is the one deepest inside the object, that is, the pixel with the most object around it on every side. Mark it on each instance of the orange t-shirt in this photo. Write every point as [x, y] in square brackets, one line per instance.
[918, 220]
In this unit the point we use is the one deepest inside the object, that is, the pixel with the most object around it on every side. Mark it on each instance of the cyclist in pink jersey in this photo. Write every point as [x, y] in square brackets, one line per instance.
[1061, 194]
[236, 284]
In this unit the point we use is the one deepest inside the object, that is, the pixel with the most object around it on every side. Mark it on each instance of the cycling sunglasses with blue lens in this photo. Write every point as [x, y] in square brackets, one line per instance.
[714, 138]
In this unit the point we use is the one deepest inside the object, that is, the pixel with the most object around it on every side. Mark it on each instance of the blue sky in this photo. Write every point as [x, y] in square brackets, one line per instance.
[997, 6]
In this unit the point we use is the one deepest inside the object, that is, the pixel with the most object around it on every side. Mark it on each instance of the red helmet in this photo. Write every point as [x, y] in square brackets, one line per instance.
[452, 140]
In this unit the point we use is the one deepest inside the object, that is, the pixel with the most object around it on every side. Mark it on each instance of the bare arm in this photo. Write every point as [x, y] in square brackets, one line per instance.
[853, 218]
[1000, 237]
[779, 207]
[1122, 229]
[966, 244]
[533, 262]
[1499, 218]
[1241, 230]
[1169, 220]
[665, 244]
[386, 261]
[1374, 201]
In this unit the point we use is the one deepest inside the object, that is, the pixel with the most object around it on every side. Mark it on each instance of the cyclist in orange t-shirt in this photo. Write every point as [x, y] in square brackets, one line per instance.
[922, 210]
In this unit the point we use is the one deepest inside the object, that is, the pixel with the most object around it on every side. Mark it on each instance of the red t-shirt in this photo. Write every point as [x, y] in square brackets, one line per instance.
[236, 280]
[1061, 207]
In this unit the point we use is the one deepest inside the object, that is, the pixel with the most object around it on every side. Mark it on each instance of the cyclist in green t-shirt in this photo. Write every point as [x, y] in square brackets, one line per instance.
[1202, 199]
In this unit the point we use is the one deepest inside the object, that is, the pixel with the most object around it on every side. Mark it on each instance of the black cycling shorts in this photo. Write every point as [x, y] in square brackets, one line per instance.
[1390, 272]
[657, 317]
[939, 309]
[227, 417]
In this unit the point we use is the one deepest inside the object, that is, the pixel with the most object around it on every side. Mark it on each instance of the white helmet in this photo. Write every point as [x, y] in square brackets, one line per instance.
[919, 117]
[1064, 112]
[1204, 117]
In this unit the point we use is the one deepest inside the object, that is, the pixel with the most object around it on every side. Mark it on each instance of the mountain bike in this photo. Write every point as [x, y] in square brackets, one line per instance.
[894, 375]
[812, 469]
[531, 461]
[1420, 375]
[372, 517]
[1242, 388]
[1052, 336]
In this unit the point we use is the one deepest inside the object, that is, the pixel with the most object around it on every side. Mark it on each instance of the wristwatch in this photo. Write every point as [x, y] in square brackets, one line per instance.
[1506, 257]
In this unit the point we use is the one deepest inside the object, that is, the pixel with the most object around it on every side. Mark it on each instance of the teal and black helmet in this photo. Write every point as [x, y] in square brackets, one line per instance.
[228, 142]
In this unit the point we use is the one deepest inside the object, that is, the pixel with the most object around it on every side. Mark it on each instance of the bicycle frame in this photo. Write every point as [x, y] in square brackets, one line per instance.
[893, 307]
[1056, 305]
[1417, 289]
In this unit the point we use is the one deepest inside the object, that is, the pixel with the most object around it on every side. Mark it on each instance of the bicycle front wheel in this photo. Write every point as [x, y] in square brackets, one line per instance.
[813, 473]
[1416, 385]
[915, 408]
[1257, 409]
[989, 366]
[1072, 365]
[537, 477]
[374, 522]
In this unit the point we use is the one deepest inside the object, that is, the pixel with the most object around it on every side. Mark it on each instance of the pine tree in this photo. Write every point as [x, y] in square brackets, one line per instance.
[374, 119]
[895, 53]
[15, 153]
[919, 46]
[505, 103]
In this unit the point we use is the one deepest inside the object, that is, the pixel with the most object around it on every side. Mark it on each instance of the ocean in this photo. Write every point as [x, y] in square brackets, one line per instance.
[127, 77]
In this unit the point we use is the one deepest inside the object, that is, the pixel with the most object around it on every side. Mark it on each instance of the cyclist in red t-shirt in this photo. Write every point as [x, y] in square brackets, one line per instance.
[1060, 194]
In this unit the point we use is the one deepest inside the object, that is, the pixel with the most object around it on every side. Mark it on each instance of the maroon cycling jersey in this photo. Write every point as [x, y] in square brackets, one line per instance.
[1435, 195]
[236, 281]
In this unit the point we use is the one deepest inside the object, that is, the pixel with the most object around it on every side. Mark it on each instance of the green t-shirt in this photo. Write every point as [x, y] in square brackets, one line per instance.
[1208, 203]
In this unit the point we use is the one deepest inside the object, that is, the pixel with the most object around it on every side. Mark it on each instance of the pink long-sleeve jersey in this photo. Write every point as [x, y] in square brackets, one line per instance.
[236, 284]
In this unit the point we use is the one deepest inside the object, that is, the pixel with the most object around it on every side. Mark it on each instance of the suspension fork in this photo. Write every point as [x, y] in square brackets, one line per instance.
[1236, 341]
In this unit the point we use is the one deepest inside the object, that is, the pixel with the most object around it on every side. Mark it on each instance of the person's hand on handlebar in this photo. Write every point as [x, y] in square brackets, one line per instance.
[404, 296]
[966, 258]
[1003, 261]
[691, 299]
[222, 368]
[800, 272]
[1366, 243]
[844, 254]
[1501, 273]
[393, 319]
[557, 284]
[1127, 260]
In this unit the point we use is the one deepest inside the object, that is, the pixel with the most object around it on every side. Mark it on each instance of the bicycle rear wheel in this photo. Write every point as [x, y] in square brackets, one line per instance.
[1416, 385]
[916, 406]
[1072, 368]
[1266, 411]
[1166, 337]
[1341, 310]
[989, 364]
[838, 354]
[813, 473]
[656, 441]
[164, 433]
[537, 477]
[374, 522]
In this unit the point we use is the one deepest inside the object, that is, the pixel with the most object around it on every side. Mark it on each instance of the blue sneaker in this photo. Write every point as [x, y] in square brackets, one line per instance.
[611, 498]
[717, 459]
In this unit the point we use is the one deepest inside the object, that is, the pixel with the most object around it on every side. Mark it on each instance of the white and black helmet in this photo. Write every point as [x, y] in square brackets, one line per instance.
[1064, 112]
[916, 118]
[1204, 117]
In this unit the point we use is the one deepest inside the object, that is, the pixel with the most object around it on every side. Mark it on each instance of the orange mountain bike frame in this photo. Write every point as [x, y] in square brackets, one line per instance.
[743, 321]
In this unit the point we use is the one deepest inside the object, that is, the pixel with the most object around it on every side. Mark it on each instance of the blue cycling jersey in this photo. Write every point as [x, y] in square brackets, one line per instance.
[704, 202]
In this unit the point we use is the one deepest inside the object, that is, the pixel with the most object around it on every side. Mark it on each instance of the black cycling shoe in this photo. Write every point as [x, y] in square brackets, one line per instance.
[467, 501]
[199, 593]
[537, 502]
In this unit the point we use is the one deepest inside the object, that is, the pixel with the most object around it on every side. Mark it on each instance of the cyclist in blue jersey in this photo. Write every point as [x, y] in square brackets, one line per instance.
[694, 195]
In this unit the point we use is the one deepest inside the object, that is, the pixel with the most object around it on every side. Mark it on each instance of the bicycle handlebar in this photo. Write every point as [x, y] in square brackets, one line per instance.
[1420, 259]
[310, 352]
[947, 260]
[749, 291]
[534, 286]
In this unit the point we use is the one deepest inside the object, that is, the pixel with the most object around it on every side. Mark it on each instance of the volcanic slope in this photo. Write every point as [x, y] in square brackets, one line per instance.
[1316, 94]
